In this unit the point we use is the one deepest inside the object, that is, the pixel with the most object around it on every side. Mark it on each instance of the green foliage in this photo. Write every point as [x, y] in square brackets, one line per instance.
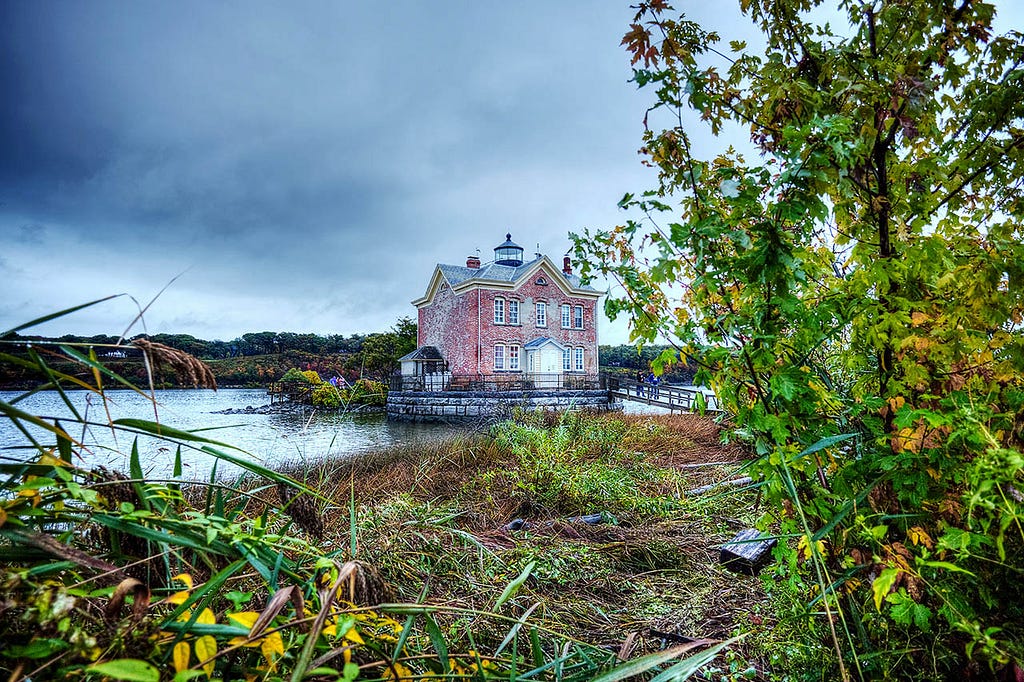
[575, 467]
[863, 274]
[381, 352]
[628, 359]
[327, 396]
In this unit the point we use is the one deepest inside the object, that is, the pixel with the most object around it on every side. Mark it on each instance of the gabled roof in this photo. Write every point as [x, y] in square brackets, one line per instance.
[494, 276]
[424, 353]
[542, 341]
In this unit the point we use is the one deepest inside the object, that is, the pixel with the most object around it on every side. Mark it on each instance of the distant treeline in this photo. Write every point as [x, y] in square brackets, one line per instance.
[260, 358]
[253, 343]
[628, 360]
[254, 359]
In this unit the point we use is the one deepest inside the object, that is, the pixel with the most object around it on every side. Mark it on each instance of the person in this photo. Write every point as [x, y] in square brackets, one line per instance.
[653, 387]
[640, 383]
[655, 383]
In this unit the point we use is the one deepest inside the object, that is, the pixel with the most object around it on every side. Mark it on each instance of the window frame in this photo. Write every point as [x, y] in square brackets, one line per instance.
[510, 304]
[515, 357]
[567, 359]
[577, 316]
[499, 357]
[542, 313]
[578, 364]
[566, 316]
[499, 310]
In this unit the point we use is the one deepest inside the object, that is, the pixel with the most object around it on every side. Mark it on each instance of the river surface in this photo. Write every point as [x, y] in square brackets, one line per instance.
[270, 440]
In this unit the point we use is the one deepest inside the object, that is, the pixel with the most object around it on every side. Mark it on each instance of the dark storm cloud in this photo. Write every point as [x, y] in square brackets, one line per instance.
[320, 157]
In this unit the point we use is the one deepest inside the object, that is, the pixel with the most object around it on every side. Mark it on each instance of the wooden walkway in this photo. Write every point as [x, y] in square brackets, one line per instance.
[670, 397]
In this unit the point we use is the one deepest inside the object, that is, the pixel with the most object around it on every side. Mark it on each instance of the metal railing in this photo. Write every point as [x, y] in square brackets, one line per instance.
[497, 383]
[672, 397]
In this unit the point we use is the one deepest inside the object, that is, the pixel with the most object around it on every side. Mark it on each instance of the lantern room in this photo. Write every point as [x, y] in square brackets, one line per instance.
[509, 253]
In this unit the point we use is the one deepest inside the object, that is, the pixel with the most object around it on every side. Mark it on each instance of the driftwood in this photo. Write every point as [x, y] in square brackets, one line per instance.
[747, 552]
[721, 484]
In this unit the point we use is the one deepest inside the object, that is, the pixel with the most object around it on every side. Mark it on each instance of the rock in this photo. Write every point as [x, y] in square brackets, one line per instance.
[747, 552]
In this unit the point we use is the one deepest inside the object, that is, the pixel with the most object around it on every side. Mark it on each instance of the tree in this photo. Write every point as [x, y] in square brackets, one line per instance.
[380, 353]
[854, 291]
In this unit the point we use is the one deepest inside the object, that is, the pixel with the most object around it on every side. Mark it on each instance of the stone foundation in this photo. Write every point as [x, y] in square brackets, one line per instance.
[456, 406]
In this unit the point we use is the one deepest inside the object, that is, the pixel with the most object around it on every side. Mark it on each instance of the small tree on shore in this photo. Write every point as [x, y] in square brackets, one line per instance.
[855, 294]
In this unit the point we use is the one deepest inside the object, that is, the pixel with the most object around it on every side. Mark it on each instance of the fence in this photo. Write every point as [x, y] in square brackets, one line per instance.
[497, 383]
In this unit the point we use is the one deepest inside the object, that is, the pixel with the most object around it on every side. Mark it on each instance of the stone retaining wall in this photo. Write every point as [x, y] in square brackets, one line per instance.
[453, 406]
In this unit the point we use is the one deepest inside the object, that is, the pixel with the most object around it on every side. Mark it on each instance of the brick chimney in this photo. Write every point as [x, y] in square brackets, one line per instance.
[567, 265]
[473, 262]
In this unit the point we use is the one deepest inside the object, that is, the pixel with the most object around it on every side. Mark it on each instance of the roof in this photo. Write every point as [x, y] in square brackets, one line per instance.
[509, 244]
[503, 277]
[424, 353]
[491, 272]
[541, 341]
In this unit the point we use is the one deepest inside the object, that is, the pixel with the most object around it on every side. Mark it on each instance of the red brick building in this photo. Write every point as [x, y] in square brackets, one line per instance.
[506, 317]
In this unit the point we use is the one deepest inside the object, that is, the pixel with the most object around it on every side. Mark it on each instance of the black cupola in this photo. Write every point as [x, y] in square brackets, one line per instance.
[508, 253]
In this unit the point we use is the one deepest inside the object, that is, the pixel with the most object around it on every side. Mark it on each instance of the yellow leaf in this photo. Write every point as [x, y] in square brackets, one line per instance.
[185, 579]
[178, 598]
[919, 318]
[243, 641]
[182, 652]
[206, 649]
[396, 671]
[918, 536]
[353, 636]
[206, 617]
[48, 459]
[272, 647]
[244, 618]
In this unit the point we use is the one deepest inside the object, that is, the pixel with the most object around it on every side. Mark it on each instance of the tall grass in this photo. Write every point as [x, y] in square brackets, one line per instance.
[110, 575]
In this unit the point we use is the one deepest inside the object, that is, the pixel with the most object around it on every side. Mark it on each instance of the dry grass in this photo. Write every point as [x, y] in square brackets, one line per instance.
[426, 522]
[188, 368]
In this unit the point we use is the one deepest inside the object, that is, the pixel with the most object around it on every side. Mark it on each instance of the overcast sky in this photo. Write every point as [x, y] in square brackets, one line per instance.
[302, 166]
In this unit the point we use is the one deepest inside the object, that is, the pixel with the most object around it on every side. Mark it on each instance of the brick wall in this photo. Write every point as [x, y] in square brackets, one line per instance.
[450, 323]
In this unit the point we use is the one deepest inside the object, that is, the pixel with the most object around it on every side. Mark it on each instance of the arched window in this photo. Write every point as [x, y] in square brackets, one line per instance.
[513, 311]
[499, 310]
[579, 359]
[542, 314]
[577, 317]
[499, 356]
[566, 316]
[567, 360]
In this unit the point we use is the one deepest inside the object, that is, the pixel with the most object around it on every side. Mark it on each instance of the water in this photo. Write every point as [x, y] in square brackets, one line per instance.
[270, 440]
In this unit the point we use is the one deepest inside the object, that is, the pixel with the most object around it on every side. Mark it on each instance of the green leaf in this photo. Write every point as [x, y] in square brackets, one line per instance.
[127, 669]
[437, 640]
[883, 584]
[513, 587]
[37, 648]
[643, 664]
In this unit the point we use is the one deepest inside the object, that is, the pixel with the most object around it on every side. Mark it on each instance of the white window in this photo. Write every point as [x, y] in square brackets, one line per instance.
[499, 356]
[579, 359]
[542, 314]
[567, 360]
[513, 357]
[513, 311]
[499, 311]
[565, 315]
[577, 317]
